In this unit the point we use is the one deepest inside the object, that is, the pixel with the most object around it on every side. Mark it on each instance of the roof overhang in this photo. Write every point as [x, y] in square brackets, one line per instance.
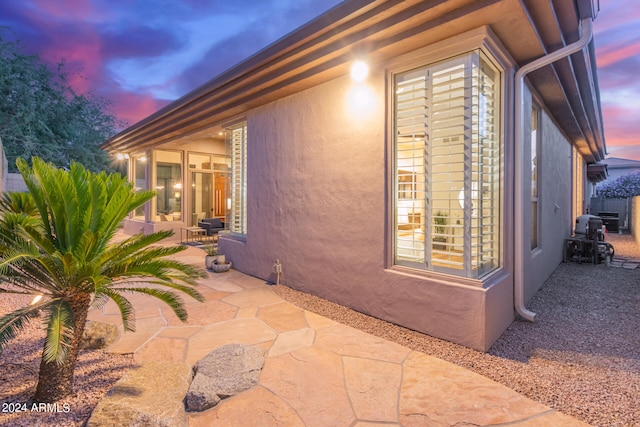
[597, 172]
[324, 48]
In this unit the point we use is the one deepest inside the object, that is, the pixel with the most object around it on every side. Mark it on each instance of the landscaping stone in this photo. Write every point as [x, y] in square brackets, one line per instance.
[98, 335]
[225, 372]
[150, 395]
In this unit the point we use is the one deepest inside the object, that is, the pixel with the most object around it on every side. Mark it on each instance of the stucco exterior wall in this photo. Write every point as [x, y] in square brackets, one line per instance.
[317, 202]
[14, 182]
[554, 197]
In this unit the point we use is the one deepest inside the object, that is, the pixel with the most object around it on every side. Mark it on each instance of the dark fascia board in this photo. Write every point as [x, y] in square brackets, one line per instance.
[572, 96]
[588, 8]
[597, 172]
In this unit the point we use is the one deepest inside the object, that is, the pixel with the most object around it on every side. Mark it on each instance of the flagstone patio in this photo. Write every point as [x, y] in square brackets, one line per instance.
[317, 371]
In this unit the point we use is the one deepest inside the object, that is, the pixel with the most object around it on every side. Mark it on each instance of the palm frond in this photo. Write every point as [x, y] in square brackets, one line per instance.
[59, 332]
[18, 202]
[12, 323]
[189, 290]
[168, 297]
[124, 305]
[156, 270]
[99, 300]
[136, 243]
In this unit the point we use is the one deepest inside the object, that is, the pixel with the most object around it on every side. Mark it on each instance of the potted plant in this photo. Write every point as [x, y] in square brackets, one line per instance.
[212, 256]
[221, 266]
[440, 221]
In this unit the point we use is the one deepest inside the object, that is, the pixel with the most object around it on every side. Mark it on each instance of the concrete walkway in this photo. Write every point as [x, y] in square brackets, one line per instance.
[317, 371]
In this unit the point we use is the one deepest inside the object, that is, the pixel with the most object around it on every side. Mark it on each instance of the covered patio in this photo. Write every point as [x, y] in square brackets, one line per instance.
[191, 176]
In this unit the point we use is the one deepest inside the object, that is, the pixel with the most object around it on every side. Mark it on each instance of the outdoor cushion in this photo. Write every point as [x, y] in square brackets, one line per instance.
[212, 225]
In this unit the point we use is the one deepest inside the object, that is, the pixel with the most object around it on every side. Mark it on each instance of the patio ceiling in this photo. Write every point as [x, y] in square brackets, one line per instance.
[379, 30]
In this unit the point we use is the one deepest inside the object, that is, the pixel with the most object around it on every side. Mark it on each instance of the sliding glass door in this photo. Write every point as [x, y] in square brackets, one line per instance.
[202, 205]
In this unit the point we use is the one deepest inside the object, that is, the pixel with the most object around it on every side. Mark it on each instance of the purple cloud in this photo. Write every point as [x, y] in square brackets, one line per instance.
[141, 55]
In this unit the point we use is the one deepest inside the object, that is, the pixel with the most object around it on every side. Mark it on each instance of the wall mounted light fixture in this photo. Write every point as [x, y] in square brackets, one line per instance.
[359, 71]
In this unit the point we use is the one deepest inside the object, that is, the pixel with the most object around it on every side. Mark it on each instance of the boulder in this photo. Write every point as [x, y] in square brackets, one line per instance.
[150, 395]
[225, 372]
[98, 335]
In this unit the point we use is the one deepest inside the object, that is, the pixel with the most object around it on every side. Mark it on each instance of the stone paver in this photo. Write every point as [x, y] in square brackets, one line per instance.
[283, 317]
[149, 395]
[129, 342]
[318, 322]
[221, 285]
[348, 341]
[255, 407]
[286, 342]
[241, 331]
[471, 398]
[179, 331]
[317, 372]
[253, 298]
[163, 349]
[203, 314]
[373, 387]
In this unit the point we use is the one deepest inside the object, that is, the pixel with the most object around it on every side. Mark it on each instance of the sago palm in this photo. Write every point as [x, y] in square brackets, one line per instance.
[63, 251]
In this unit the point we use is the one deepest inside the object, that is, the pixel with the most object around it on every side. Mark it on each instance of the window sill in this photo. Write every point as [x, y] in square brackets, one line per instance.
[448, 279]
[233, 237]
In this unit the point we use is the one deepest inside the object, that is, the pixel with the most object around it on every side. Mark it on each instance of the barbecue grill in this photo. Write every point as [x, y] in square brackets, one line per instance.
[588, 242]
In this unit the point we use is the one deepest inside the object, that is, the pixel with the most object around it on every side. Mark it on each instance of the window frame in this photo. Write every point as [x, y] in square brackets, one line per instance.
[536, 119]
[156, 214]
[141, 213]
[484, 40]
[237, 212]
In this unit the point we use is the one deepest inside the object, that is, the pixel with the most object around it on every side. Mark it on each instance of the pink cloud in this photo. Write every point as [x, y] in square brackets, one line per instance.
[133, 107]
[621, 131]
[614, 53]
[70, 10]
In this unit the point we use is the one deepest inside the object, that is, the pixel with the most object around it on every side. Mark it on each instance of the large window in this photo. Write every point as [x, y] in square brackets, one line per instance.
[237, 142]
[139, 181]
[535, 173]
[168, 185]
[209, 177]
[578, 207]
[447, 166]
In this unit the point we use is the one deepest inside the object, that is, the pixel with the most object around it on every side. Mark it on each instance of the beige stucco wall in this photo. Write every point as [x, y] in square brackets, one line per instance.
[317, 202]
[554, 197]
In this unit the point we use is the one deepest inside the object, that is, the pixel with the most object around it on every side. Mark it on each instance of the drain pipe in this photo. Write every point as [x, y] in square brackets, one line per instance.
[519, 158]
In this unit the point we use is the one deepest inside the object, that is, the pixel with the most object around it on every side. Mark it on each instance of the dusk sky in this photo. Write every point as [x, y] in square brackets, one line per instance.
[142, 54]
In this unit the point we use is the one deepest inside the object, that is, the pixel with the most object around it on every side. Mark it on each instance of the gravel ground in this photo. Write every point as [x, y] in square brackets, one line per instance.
[96, 372]
[580, 357]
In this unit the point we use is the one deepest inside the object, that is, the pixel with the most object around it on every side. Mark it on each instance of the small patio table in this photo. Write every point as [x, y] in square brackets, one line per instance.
[192, 234]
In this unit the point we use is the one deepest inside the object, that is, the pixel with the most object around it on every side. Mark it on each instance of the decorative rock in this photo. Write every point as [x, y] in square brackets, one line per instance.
[225, 372]
[150, 395]
[98, 335]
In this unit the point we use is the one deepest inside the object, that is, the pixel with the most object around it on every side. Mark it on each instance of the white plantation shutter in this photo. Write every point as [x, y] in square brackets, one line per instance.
[238, 215]
[449, 121]
[410, 183]
[485, 166]
[447, 163]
